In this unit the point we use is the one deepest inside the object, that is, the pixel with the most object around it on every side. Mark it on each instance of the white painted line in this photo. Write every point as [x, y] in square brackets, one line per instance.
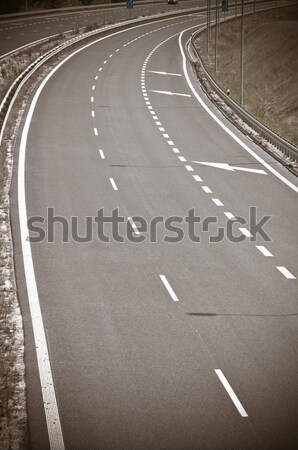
[169, 288]
[189, 168]
[166, 136]
[44, 365]
[113, 184]
[182, 159]
[96, 77]
[231, 393]
[155, 117]
[149, 107]
[102, 155]
[217, 202]
[148, 103]
[264, 250]
[245, 231]
[175, 150]
[230, 168]
[117, 50]
[100, 69]
[95, 132]
[197, 178]
[153, 113]
[166, 73]
[92, 113]
[161, 129]
[93, 87]
[170, 93]
[105, 62]
[207, 189]
[157, 123]
[171, 143]
[224, 127]
[111, 55]
[286, 272]
[92, 99]
[229, 215]
[135, 229]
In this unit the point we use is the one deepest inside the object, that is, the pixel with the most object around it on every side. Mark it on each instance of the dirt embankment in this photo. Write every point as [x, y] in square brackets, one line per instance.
[270, 66]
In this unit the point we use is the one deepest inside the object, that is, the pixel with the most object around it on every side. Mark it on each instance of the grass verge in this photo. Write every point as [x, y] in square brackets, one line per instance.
[270, 66]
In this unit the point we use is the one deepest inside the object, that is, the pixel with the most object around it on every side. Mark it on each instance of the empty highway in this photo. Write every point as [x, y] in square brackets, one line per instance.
[173, 325]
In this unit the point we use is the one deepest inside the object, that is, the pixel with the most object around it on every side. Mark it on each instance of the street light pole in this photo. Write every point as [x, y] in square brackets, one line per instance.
[242, 53]
[208, 23]
[216, 36]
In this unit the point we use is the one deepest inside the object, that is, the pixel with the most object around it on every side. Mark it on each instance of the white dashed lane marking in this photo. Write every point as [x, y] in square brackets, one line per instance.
[169, 288]
[197, 178]
[245, 231]
[217, 202]
[229, 215]
[134, 227]
[286, 273]
[113, 184]
[231, 393]
[264, 250]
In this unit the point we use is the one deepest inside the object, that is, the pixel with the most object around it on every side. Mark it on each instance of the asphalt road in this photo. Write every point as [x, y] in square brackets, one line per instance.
[157, 345]
[16, 32]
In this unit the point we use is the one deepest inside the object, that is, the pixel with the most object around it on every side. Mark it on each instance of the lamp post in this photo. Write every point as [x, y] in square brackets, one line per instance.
[216, 36]
[242, 53]
[208, 25]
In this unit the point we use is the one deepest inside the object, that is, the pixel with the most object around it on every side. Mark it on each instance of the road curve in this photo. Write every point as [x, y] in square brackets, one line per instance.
[157, 345]
[17, 32]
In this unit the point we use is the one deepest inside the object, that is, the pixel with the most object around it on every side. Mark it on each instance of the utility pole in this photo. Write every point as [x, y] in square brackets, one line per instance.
[216, 36]
[242, 53]
[208, 25]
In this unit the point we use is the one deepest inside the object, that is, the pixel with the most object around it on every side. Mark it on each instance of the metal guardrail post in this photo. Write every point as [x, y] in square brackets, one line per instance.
[273, 138]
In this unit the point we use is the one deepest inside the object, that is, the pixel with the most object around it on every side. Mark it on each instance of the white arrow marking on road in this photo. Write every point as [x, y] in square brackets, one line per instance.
[226, 166]
[171, 93]
[166, 73]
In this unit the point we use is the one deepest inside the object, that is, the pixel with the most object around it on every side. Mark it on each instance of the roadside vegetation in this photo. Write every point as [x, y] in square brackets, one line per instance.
[270, 66]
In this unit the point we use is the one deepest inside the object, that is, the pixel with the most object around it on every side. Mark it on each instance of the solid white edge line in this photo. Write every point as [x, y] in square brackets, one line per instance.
[44, 366]
[264, 250]
[224, 127]
[286, 273]
[231, 393]
[169, 288]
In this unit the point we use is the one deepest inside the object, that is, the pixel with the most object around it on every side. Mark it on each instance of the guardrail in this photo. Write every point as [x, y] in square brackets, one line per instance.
[11, 94]
[83, 8]
[260, 130]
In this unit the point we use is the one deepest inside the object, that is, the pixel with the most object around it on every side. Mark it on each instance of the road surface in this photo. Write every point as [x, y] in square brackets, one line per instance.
[155, 345]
